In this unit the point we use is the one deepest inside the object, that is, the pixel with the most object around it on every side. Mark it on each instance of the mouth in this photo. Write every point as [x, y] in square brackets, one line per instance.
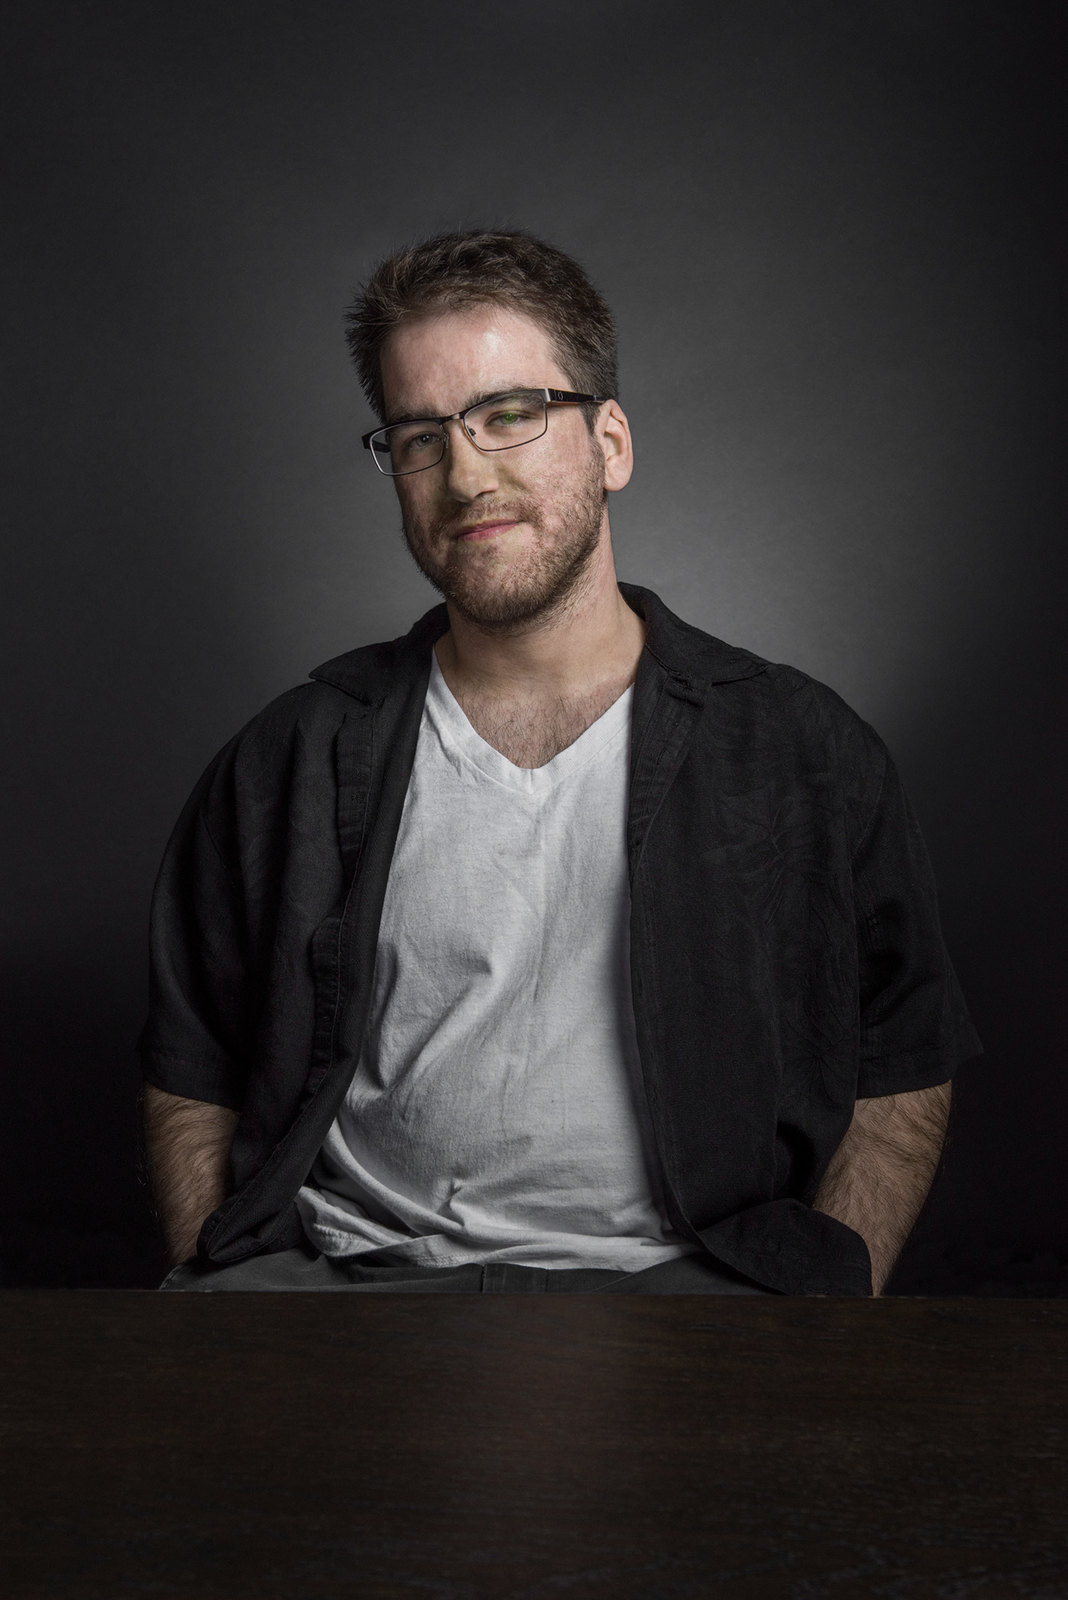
[485, 530]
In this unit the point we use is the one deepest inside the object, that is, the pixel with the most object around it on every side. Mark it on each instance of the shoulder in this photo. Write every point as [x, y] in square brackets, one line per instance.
[817, 733]
[766, 726]
[814, 712]
[281, 762]
[344, 689]
[792, 745]
[307, 715]
[766, 702]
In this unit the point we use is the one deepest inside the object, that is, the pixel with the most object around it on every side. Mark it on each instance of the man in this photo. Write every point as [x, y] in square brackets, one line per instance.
[555, 945]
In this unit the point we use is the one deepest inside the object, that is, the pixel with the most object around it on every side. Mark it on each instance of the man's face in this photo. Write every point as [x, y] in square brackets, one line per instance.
[506, 535]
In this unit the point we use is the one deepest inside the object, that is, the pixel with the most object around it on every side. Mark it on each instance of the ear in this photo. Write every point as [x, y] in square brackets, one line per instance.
[613, 435]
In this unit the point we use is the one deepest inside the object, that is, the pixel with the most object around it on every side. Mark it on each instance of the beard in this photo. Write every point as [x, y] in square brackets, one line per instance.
[508, 592]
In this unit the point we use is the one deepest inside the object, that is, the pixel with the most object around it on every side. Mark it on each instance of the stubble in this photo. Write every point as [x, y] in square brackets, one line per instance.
[504, 591]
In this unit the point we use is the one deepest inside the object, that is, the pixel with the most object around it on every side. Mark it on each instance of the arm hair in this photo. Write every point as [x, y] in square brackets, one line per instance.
[878, 1178]
[187, 1161]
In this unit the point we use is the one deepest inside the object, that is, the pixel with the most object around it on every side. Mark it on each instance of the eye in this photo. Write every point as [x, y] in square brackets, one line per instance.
[415, 442]
[507, 417]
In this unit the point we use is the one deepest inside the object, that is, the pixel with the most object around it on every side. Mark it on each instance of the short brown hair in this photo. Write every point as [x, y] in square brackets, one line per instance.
[510, 269]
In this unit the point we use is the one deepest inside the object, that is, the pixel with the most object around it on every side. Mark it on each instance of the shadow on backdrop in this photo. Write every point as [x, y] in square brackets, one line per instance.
[831, 238]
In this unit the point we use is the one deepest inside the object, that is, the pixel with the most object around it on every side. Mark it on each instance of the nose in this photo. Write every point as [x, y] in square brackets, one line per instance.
[468, 472]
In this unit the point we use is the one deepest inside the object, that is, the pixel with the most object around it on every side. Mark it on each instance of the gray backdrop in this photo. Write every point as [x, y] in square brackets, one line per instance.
[829, 232]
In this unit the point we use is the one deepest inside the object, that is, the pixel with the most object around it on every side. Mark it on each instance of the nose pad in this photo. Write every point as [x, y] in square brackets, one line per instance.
[468, 470]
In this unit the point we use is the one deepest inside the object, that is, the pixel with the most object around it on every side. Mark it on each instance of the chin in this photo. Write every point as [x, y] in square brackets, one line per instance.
[523, 589]
[512, 611]
[515, 607]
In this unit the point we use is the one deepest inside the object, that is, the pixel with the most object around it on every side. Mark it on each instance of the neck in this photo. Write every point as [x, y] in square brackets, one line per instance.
[593, 637]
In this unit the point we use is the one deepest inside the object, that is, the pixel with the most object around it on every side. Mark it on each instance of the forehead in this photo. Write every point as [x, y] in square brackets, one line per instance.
[439, 363]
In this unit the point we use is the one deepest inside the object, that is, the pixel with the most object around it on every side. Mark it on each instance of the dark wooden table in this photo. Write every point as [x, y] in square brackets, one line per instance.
[449, 1447]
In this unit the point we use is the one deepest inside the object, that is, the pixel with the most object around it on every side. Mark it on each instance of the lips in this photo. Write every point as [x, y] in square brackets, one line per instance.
[485, 530]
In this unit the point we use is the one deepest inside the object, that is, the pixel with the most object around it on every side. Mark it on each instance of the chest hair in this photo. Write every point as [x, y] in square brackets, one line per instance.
[530, 733]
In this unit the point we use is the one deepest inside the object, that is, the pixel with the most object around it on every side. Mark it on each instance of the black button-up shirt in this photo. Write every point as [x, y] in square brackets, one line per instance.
[786, 956]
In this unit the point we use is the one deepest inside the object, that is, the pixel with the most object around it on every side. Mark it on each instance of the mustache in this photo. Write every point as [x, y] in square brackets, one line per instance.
[516, 511]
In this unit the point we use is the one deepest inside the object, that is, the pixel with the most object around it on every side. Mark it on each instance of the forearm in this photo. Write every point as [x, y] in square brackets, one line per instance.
[187, 1156]
[879, 1176]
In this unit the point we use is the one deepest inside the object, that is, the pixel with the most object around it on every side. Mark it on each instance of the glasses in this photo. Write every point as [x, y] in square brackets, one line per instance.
[501, 423]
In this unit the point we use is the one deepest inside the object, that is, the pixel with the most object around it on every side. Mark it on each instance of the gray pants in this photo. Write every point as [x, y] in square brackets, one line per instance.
[304, 1268]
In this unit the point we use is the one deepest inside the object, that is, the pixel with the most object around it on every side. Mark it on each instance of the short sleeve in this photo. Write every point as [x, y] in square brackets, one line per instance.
[915, 1027]
[194, 1042]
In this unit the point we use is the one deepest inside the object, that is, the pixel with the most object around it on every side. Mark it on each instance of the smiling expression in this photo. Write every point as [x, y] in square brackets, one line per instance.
[506, 536]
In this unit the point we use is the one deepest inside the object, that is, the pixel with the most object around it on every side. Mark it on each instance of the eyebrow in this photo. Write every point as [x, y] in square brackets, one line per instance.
[476, 400]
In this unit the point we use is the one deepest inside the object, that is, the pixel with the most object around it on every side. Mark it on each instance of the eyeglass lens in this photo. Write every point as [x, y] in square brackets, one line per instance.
[498, 424]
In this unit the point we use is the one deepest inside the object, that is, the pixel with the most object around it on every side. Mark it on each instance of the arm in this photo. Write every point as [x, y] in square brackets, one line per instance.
[878, 1178]
[187, 1153]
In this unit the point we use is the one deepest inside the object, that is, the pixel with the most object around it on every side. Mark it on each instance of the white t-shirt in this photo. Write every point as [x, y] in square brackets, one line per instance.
[496, 1112]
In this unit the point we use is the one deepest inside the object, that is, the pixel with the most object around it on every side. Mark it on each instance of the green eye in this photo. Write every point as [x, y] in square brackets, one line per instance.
[507, 419]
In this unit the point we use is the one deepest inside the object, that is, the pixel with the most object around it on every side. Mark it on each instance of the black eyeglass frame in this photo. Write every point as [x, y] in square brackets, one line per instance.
[559, 397]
